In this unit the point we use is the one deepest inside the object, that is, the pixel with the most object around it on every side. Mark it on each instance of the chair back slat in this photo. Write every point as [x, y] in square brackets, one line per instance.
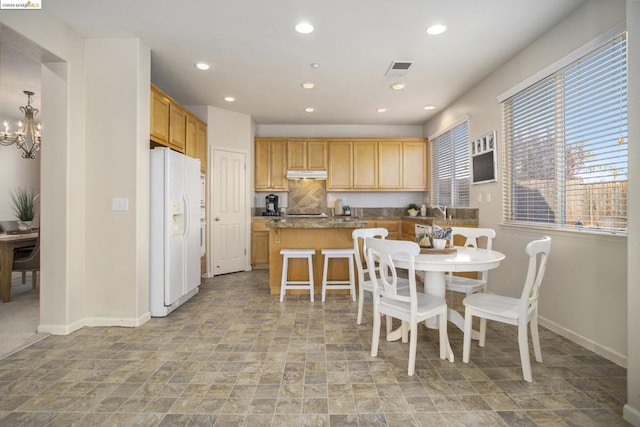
[538, 251]
[472, 235]
[385, 278]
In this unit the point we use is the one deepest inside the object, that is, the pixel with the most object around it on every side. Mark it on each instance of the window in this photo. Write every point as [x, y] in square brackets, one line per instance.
[450, 167]
[566, 160]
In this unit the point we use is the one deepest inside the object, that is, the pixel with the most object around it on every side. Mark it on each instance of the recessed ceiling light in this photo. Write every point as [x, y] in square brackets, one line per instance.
[429, 107]
[434, 30]
[304, 28]
[204, 66]
[309, 109]
[381, 110]
[315, 65]
[229, 98]
[308, 85]
[397, 86]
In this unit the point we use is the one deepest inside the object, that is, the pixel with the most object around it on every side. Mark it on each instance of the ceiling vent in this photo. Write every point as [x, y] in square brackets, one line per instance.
[398, 68]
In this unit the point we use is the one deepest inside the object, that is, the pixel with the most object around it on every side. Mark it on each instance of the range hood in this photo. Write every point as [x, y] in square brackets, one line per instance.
[292, 174]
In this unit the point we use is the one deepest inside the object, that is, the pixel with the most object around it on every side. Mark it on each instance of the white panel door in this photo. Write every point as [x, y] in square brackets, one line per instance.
[229, 211]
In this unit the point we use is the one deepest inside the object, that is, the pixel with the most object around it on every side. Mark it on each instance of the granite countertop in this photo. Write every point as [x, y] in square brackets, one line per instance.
[317, 223]
[430, 220]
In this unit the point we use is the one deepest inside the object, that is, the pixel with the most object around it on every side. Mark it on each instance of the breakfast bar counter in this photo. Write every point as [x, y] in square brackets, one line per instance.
[309, 233]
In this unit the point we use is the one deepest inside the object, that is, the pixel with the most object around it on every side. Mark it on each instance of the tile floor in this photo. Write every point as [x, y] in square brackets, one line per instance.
[234, 356]
[20, 317]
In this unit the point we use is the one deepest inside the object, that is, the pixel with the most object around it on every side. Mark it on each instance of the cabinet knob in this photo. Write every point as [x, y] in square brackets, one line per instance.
[217, 218]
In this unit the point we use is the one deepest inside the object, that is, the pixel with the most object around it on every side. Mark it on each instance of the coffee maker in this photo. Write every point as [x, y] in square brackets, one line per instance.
[271, 205]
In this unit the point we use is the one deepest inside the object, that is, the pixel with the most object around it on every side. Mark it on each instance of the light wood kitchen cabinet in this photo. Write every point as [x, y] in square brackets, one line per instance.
[177, 127]
[191, 148]
[159, 116]
[340, 165]
[415, 165]
[172, 125]
[270, 164]
[390, 165]
[392, 226]
[308, 154]
[352, 164]
[202, 144]
[365, 165]
[196, 140]
[259, 245]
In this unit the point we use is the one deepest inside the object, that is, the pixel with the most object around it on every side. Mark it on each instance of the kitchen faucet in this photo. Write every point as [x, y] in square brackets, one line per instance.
[442, 210]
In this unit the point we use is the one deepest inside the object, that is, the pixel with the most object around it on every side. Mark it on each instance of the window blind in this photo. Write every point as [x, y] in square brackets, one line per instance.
[450, 167]
[566, 145]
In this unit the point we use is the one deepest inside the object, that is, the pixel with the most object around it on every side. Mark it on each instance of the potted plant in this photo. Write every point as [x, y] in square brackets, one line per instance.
[24, 206]
[412, 209]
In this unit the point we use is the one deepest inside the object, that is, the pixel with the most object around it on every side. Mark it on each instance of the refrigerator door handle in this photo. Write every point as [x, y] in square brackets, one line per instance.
[187, 219]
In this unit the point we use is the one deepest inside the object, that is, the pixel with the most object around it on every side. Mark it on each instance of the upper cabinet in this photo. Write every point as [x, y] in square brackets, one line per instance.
[365, 165]
[202, 144]
[306, 154]
[389, 165]
[159, 116]
[270, 164]
[354, 164]
[340, 161]
[196, 140]
[415, 165]
[175, 127]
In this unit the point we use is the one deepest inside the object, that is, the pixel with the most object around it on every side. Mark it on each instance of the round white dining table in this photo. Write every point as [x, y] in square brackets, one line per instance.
[435, 266]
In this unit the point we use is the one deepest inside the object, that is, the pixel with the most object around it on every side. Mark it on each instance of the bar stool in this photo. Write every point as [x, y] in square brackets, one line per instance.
[350, 284]
[296, 284]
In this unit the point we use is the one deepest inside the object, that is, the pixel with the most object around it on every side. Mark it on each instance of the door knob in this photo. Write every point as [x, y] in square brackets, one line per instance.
[217, 218]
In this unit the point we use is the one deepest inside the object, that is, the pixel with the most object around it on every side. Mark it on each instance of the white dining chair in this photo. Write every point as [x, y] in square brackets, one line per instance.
[514, 311]
[364, 283]
[467, 285]
[408, 305]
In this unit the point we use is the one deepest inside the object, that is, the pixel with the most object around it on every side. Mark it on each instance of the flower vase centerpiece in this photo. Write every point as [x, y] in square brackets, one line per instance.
[24, 206]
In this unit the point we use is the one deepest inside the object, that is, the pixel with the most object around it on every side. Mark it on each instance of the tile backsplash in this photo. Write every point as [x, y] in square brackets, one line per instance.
[307, 196]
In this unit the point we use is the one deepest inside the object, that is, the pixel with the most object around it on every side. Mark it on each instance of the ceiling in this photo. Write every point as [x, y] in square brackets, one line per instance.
[258, 58]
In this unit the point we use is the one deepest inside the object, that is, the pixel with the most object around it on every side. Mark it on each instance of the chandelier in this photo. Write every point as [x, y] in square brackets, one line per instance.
[27, 137]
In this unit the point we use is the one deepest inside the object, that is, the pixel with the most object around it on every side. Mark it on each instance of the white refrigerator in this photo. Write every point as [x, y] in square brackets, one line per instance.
[175, 230]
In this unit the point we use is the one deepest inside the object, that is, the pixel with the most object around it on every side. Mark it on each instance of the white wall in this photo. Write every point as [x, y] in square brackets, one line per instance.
[632, 409]
[86, 152]
[62, 169]
[117, 161]
[584, 293]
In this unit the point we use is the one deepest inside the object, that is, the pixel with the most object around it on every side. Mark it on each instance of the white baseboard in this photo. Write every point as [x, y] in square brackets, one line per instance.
[60, 329]
[631, 415]
[95, 322]
[127, 323]
[606, 352]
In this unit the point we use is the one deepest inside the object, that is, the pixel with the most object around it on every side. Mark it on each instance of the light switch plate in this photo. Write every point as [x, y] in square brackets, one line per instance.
[488, 197]
[479, 196]
[119, 204]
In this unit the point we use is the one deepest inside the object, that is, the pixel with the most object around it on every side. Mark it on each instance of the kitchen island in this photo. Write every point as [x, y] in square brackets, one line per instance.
[309, 233]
